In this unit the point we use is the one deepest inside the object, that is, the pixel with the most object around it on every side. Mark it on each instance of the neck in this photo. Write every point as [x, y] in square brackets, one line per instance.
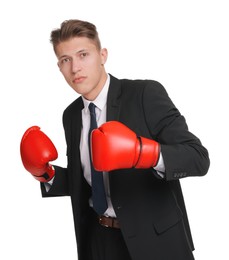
[93, 94]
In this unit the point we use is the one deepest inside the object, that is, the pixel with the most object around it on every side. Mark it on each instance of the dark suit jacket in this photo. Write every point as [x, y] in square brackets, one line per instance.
[151, 210]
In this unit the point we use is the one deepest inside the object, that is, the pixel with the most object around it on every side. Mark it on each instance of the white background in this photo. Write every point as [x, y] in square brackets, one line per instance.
[182, 44]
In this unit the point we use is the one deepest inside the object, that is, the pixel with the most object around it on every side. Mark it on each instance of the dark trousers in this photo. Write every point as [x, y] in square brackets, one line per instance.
[105, 243]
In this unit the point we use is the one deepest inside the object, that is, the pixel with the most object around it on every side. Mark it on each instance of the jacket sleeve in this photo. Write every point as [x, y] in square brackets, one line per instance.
[183, 153]
[59, 186]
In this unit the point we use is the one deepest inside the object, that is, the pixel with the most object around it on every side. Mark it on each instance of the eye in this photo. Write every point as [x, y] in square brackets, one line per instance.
[83, 54]
[65, 60]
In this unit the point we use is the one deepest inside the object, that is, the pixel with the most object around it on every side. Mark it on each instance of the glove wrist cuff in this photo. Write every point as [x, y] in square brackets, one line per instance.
[149, 153]
[48, 175]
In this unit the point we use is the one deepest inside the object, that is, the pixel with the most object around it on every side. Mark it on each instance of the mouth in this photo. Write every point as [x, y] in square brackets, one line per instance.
[79, 79]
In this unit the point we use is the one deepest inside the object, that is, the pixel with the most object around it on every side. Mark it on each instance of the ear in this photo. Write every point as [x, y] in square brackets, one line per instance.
[104, 55]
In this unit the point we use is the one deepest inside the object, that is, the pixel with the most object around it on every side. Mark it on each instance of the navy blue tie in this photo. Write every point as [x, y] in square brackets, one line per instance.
[98, 190]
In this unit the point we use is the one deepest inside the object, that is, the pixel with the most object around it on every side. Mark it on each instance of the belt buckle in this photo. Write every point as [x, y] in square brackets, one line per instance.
[101, 222]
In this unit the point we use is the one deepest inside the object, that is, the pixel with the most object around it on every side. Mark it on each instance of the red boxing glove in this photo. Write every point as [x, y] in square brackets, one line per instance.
[115, 146]
[36, 152]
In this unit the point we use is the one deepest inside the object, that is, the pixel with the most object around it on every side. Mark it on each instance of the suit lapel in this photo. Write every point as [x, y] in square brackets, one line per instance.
[113, 99]
[77, 122]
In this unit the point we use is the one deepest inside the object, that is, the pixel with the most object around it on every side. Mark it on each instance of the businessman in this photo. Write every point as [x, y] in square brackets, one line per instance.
[128, 146]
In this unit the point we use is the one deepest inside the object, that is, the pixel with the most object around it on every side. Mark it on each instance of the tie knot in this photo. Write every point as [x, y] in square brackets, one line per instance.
[92, 108]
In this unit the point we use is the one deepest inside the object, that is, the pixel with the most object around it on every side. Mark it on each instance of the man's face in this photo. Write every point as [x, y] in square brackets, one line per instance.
[82, 65]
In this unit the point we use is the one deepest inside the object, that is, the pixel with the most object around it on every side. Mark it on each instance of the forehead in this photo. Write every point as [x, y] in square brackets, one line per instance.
[74, 45]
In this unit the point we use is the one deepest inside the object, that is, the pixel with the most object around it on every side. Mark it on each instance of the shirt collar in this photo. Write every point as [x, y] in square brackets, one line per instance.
[101, 99]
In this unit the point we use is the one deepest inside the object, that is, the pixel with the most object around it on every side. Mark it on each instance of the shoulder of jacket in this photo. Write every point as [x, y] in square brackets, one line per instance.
[137, 82]
[76, 105]
[142, 84]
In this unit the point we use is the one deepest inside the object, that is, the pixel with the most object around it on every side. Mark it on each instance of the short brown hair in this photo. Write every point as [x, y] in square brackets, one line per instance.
[74, 28]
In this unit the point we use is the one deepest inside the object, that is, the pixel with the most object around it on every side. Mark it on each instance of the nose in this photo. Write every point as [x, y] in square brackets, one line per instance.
[76, 66]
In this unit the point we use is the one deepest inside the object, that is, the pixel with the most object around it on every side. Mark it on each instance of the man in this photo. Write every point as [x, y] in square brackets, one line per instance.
[141, 148]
